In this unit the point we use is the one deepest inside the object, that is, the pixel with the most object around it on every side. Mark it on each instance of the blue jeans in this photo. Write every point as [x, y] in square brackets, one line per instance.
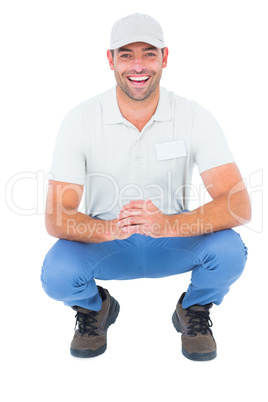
[216, 261]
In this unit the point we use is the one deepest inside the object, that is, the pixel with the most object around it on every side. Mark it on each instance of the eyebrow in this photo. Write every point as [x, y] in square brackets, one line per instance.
[124, 49]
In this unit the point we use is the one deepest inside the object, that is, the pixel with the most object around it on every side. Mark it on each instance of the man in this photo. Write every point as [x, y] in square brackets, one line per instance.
[132, 151]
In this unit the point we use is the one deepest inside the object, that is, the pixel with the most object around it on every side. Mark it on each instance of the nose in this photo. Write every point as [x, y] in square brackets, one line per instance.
[138, 64]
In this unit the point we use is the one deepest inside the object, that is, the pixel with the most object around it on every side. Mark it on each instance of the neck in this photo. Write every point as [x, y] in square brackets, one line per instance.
[137, 112]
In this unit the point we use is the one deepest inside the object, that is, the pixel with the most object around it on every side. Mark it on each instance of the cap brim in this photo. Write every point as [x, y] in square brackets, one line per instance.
[137, 38]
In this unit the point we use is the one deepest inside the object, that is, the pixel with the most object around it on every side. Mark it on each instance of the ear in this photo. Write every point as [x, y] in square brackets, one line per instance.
[110, 59]
[165, 57]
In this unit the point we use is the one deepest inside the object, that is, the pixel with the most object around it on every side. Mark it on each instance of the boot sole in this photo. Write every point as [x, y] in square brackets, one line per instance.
[114, 311]
[191, 356]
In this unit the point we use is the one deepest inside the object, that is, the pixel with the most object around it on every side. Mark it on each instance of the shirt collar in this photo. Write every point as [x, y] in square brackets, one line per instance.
[111, 111]
[163, 110]
[112, 114]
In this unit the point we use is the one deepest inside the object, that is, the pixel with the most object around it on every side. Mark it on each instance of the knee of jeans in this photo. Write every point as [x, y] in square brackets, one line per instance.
[228, 252]
[62, 274]
[55, 280]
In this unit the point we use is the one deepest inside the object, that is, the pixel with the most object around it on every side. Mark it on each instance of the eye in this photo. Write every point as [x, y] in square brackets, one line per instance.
[125, 56]
[150, 54]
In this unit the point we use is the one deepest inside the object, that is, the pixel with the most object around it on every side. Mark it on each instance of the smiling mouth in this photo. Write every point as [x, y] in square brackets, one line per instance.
[138, 80]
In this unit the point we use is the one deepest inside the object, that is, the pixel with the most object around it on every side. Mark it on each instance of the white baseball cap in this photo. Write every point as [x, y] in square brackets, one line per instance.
[136, 28]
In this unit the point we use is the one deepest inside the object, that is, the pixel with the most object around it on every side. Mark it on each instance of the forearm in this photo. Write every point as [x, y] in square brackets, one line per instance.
[230, 208]
[76, 226]
[225, 212]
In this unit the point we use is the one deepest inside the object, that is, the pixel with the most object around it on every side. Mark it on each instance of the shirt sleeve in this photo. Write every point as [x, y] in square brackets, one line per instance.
[209, 145]
[69, 160]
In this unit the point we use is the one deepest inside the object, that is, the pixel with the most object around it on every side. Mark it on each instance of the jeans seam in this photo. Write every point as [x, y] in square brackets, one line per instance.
[108, 256]
[198, 262]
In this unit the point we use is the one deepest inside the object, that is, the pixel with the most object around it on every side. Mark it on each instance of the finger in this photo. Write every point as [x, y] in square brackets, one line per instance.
[132, 229]
[146, 206]
[129, 212]
[133, 220]
[150, 207]
[133, 204]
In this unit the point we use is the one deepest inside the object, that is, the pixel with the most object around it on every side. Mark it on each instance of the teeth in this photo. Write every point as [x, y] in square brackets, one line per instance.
[139, 78]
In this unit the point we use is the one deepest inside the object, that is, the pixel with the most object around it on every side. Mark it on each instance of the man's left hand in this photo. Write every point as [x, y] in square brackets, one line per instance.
[143, 217]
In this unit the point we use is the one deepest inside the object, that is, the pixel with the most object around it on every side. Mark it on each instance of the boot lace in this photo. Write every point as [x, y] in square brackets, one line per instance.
[86, 323]
[199, 321]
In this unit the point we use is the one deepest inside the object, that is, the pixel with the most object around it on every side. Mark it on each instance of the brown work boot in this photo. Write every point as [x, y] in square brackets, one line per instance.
[194, 323]
[90, 339]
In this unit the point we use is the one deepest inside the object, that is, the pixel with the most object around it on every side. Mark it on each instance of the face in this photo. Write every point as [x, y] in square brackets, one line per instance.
[138, 69]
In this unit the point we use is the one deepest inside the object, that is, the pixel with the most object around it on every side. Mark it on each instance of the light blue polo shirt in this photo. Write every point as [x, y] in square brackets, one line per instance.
[98, 148]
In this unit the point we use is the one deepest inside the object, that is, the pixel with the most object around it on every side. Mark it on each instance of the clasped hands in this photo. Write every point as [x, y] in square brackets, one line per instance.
[143, 217]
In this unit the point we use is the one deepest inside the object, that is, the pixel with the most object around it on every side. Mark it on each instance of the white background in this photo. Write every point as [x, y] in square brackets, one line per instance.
[53, 56]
